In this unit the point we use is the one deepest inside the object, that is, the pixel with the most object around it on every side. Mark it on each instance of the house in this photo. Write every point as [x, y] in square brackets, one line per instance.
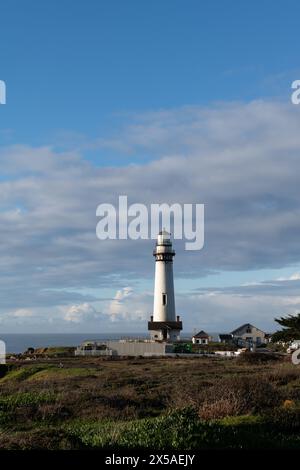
[268, 338]
[225, 338]
[201, 338]
[248, 334]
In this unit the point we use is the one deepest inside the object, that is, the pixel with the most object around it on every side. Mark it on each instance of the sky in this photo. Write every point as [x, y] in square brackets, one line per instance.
[173, 101]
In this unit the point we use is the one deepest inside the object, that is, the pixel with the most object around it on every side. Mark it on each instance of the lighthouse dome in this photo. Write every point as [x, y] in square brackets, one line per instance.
[164, 238]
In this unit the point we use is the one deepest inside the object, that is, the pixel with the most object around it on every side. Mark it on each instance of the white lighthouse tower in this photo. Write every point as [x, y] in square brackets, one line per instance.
[164, 324]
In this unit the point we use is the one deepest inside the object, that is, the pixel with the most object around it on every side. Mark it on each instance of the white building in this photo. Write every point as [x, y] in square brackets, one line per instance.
[248, 334]
[164, 324]
[201, 338]
[123, 348]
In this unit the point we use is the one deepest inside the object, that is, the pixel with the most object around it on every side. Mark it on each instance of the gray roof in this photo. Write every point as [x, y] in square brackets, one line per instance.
[225, 336]
[201, 334]
[245, 325]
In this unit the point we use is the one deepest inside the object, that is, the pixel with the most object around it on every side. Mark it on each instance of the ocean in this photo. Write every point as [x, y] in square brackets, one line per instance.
[18, 343]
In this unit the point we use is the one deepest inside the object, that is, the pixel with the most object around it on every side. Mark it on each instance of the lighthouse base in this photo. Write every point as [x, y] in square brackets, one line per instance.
[165, 330]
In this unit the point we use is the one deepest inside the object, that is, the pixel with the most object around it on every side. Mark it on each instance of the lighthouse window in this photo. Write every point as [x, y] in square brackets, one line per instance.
[164, 299]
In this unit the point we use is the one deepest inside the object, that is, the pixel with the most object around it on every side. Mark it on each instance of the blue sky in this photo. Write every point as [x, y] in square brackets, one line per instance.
[112, 97]
[74, 66]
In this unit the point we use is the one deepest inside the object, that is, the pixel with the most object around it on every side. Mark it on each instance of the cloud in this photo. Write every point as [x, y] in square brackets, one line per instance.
[22, 313]
[128, 305]
[240, 160]
[293, 277]
[226, 307]
[80, 313]
[224, 311]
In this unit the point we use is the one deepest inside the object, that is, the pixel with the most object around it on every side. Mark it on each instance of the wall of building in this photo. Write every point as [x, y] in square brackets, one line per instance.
[92, 352]
[243, 337]
[256, 335]
[164, 285]
[157, 335]
[199, 340]
[135, 348]
[128, 348]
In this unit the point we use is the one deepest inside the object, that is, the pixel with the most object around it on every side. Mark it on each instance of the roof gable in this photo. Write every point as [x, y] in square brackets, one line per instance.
[244, 327]
[201, 334]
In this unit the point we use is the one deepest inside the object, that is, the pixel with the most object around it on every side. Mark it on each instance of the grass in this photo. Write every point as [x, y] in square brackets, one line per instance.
[58, 351]
[60, 373]
[181, 430]
[45, 372]
[10, 402]
[179, 403]
[20, 374]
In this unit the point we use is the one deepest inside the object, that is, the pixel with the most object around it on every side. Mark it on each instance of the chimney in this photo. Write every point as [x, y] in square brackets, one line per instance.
[178, 318]
[151, 317]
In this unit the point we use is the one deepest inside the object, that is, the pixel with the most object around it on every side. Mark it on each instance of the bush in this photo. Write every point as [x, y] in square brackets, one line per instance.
[4, 368]
[19, 374]
[24, 399]
[182, 430]
[284, 419]
[238, 395]
[174, 430]
[258, 358]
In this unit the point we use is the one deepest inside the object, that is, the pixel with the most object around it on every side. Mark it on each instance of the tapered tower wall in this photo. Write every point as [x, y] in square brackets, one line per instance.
[164, 324]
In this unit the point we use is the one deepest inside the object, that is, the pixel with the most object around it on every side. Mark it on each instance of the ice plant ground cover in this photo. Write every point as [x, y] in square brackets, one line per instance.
[93, 403]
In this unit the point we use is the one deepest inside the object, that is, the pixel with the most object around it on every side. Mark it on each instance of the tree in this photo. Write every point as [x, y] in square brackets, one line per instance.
[291, 329]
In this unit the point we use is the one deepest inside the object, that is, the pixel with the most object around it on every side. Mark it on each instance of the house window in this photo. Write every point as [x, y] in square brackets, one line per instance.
[248, 330]
[164, 299]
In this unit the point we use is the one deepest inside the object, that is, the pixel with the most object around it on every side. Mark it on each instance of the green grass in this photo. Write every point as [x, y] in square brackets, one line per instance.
[182, 429]
[11, 402]
[92, 403]
[21, 373]
[176, 430]
[240, 420]
[170, 431]
[46, 372]
[56, 351]
[60, 373]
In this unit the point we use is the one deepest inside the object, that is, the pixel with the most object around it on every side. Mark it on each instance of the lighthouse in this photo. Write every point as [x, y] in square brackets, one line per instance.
[164, 324]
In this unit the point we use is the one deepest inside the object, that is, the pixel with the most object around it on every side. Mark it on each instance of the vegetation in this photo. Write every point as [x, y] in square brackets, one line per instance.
[291, 330]
[58, 351]
[179, 403]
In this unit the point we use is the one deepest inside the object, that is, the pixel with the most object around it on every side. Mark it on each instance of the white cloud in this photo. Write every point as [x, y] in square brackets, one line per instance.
[241, 160]
[293, 277]
[80, 313]
[128, 305]
[22, 313]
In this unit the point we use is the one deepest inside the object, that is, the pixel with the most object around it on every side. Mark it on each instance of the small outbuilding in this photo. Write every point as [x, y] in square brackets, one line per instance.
[201, 338]
[225, 338]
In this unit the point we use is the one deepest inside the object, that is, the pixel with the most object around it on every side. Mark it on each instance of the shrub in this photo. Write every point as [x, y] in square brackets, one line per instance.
[220, 408]
[21, 373]
[38, 439]
[174, 430]
[4, 368]
[238, 395]
[11, 402]
[181, 430]
[258, 358]
[284, 419]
